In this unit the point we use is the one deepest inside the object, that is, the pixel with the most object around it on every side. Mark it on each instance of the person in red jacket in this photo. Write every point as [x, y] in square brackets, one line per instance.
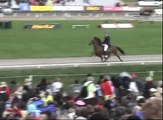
[4, 86]
[106, 88]
[12, 112]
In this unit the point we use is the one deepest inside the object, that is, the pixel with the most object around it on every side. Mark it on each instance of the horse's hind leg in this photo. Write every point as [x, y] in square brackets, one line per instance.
[118, 57]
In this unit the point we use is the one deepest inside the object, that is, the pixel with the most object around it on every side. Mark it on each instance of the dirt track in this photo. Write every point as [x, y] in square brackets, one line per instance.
[79, 16]
[79, 61]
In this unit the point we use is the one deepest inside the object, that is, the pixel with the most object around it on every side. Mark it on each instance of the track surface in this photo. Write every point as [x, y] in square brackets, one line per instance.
[80, 16]
[79, 61]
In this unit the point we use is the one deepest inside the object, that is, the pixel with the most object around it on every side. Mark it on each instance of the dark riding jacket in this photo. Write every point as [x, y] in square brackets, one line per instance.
[106, 40]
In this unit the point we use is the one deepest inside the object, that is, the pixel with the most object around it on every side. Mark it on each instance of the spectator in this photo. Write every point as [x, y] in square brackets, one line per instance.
[152, 109]
[116, 84]
[133, 89]
[3, 98]
[139, 82]
[47, 98]
[106, 87]
[32, 109]
[119, 110]
[5, 87]
[74, 89]
[28, 81]
[148, 85]
[71, 113]
[42, 85]
[57, 85]
[140, 101]
[91, 89]
[13, 86]
[27, 93]
[99, 94]
[12, 112]
[57, 89]
[80, 113]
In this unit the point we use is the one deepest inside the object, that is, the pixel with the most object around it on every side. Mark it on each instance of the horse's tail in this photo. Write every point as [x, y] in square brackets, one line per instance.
[120, 50]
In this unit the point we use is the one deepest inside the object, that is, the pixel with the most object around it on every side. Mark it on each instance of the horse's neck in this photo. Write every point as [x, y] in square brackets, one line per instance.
[96, 47]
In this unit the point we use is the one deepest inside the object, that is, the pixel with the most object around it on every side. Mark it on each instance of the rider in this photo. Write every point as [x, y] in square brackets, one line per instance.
[106, 43]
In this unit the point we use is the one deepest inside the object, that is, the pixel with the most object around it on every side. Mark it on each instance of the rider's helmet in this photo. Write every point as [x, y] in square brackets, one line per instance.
[106, 34]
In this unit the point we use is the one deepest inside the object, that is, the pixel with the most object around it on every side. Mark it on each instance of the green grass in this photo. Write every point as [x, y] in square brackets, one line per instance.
[68, 75]
[144, 38]
[130, 1]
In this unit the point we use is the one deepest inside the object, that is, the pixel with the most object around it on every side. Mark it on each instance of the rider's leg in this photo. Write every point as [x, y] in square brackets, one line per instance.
[105, 50]
[105, 47]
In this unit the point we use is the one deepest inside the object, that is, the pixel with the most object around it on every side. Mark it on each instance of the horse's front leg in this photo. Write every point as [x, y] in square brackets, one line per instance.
[102, 58]
[106, 58]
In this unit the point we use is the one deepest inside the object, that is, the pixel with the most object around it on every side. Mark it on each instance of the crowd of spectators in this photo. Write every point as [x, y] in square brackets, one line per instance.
[121, 97]
[39, 2]
[59, 2]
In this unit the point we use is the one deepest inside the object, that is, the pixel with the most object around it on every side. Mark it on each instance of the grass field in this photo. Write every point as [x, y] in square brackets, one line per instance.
[68, 75]
[130, 2]
[144, 38]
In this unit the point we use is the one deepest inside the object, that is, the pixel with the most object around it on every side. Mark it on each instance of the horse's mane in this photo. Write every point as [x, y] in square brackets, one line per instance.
[98, 40]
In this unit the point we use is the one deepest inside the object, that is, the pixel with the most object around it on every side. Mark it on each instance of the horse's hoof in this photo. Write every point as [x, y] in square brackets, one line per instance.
[105, 60]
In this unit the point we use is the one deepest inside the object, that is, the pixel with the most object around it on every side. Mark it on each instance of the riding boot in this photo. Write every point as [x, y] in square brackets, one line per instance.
[105, 54]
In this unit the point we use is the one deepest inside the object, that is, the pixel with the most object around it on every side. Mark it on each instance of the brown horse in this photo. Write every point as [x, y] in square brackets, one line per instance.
[146, 12]
[99, 50]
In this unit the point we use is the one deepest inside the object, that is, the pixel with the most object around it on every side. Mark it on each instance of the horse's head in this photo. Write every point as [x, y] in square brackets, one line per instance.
[95, 41]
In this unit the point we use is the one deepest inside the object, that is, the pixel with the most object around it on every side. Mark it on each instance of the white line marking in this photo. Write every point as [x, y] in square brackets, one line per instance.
[77, 64]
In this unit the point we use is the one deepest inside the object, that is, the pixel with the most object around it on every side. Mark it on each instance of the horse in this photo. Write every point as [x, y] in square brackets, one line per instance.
[146, 12]
[99, 50]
